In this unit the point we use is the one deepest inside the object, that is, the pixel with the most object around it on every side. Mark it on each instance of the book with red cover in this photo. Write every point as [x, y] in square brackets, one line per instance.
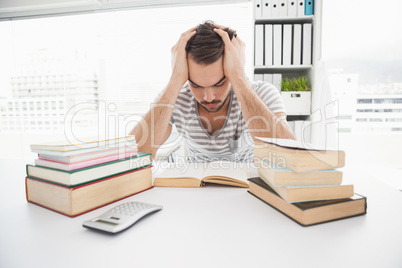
[82, 164]
[77, 200]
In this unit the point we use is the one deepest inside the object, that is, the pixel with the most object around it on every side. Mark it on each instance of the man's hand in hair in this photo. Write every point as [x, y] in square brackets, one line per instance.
[234, 57]
[179, 58]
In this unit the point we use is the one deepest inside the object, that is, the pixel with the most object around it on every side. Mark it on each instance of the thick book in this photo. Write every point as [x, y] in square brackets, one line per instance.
[83, 143]
[74, 201]
[99, 153]
[87, 163]
[303, 193]
[277, 175]
[309, 213]
[88, 174]
[298, 156]
[198, 174]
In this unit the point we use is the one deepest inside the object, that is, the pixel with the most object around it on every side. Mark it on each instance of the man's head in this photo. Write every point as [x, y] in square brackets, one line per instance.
[207, 81]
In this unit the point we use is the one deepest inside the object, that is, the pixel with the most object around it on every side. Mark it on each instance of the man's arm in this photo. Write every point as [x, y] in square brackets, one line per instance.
[259, 118]
[154, 128]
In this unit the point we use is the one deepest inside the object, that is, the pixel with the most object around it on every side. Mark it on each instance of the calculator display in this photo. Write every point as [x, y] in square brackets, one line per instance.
[106, 222]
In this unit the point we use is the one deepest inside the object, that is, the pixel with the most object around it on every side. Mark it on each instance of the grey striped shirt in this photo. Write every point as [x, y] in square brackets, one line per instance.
[233, 141]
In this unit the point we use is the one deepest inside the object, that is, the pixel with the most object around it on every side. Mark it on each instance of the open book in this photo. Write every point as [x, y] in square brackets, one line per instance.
[198, 174]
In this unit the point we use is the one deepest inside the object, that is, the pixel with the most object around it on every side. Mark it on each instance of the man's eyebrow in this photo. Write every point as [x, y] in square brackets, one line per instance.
[223, 78]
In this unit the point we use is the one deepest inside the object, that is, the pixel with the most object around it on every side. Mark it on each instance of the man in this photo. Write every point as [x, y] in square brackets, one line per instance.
[215, 108]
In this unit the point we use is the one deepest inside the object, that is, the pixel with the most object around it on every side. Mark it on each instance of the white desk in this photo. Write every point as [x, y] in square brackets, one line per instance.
[207, 227]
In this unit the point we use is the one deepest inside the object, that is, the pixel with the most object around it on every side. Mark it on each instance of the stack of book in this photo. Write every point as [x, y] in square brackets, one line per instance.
[73, 178]
[303, 183]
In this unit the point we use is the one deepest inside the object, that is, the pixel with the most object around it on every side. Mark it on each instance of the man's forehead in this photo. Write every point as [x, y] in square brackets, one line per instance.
[200, 82]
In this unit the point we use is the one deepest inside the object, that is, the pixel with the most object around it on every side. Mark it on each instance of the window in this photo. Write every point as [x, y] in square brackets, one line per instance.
[119, 57]
[364, 101]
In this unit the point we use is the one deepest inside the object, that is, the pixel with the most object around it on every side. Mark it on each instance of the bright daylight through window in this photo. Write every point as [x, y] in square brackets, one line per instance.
[93, 71]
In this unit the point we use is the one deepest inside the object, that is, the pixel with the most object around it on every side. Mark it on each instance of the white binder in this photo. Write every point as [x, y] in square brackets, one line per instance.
[287, 45]
[307, 35]
[283, 8]
[258, 9]
[276, 81]
[277, 45]
[292, 8]
[268, 78]
[266, 9]
[300, 8]
[258, 77]
[268, 44]
[275, 8]
[297, 43]
[259, 45]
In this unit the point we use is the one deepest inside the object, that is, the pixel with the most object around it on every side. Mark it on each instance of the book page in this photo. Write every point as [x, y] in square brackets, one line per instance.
[183, 170]
[233, 170]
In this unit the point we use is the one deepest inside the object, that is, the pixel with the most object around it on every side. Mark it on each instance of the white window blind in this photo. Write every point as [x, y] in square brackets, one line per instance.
[14, 9]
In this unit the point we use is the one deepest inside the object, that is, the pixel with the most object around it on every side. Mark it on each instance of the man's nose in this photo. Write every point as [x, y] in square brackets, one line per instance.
[209, 95]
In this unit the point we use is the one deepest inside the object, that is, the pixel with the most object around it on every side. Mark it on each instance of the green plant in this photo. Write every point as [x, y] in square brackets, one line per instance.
[295, 84]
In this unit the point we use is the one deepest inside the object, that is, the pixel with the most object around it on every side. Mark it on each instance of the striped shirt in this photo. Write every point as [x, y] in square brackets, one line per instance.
[233, 141]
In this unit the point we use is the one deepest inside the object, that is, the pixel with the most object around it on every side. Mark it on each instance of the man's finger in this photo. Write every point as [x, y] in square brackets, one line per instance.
[184, 39]
[219, 26]
[189, 31]
[223, 34]
[240, 41]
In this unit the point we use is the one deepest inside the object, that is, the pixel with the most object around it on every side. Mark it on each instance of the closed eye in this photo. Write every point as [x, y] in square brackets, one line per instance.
[219, 85]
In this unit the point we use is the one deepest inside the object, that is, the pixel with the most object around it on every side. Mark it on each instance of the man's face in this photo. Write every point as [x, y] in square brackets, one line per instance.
[208, 84]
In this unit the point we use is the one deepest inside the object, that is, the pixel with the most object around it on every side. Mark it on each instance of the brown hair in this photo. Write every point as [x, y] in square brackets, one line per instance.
[206, 46]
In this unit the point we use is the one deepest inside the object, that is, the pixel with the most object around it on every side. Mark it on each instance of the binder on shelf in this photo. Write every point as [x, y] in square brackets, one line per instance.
[287, 45]
[292, 126]
[292, 8]
[307, 35]
[259, 45]
[300, 8]
[309, 7]
[258, 77]
[276, 81]
[258, 9]
[277, 44]
[275, 8]
[297, 44]
[283, 8]
[268, 44]
[266, 9]
[268, 78]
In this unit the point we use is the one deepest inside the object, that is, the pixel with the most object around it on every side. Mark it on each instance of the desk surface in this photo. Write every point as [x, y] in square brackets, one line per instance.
[214, 226]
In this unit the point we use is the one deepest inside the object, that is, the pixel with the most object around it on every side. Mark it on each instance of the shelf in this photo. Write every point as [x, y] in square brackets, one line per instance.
[282, 68]
[297, 117]
[279, 20]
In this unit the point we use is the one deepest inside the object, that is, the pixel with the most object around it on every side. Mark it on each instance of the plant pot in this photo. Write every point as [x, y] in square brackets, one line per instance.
[297, 102]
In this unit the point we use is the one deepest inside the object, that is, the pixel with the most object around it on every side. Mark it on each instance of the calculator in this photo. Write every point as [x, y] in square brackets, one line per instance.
[121, 217]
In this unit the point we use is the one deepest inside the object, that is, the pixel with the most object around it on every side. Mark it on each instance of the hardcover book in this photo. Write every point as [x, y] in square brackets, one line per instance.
[83, 164]
[88, 174]
[309, 213]
[99, 153]
[277, 175]
[74, 201]
[298, 156]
